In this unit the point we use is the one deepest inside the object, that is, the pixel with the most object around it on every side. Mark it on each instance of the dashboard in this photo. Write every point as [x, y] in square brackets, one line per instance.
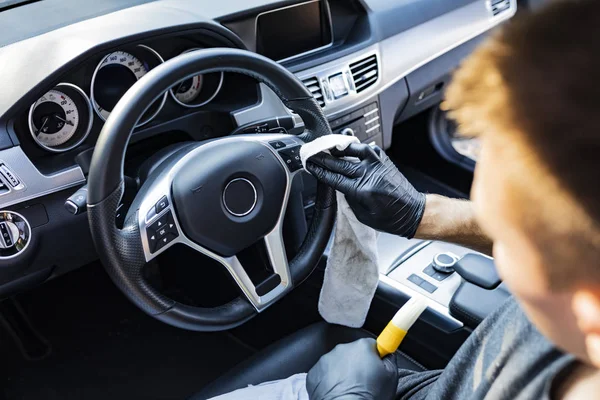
[369, 63]
[65, 121]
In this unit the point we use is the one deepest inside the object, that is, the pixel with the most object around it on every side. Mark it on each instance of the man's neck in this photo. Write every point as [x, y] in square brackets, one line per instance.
[582, 383]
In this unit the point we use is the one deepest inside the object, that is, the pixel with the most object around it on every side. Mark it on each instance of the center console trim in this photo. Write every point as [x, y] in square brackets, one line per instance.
[431, 304]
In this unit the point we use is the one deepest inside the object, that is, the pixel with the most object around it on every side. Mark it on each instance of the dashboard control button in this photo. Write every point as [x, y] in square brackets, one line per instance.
[440, 276]
[428, 287]
[277, 144]
[430, 271]
[161, 204]
[417, 280]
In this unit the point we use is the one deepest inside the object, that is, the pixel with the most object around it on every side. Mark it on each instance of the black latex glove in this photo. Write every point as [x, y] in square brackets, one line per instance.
[353, 371]
[380, 196]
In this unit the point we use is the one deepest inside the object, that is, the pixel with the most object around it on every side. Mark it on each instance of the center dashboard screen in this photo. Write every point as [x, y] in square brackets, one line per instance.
[293, 30]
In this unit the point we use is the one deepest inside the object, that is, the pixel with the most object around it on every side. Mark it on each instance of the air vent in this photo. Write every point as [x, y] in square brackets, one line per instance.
[364, 73]
[313, 85]
[499, 6]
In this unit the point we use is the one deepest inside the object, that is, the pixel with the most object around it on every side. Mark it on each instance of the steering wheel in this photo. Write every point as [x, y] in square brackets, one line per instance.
[218, 197]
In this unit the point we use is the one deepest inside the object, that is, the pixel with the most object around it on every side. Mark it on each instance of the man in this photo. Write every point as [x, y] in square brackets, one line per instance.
[529, 94]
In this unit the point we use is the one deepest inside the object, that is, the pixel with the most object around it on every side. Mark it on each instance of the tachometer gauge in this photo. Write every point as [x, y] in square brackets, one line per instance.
[187, 91]
[61, 119]
[116, 73]
[197, 90]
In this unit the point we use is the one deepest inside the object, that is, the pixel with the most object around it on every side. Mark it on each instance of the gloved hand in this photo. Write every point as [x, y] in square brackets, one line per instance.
[353, 371]
[380, 196]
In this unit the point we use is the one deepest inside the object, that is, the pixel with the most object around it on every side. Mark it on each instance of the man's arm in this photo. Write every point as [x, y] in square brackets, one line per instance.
[382, 198]
[452, 220]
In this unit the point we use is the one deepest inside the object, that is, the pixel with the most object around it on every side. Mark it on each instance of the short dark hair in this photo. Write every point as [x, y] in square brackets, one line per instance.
[535, 83]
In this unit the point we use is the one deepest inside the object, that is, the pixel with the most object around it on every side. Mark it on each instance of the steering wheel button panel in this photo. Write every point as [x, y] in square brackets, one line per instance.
[162, 232]
[291, 157]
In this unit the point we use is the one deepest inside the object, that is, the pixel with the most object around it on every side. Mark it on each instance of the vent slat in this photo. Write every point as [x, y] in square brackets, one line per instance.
[365, 69]
[312, 84]
[363, 62]
[365, 76]
[365, 73]
[365, 84]
[499, 6]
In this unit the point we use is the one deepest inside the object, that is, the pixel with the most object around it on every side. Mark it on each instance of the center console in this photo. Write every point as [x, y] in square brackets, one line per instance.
[461, 285]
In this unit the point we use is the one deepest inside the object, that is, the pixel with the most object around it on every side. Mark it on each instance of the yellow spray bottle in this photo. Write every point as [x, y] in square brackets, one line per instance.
[390, 338]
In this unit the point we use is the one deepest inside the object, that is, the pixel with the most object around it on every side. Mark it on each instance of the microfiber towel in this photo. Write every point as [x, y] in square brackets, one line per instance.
[352, 272]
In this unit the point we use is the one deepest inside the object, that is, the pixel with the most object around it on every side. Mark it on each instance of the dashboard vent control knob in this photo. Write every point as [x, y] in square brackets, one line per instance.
[444, 262]
[15, 234]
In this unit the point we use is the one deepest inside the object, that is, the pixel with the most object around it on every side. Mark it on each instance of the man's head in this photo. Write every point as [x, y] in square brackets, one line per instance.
[530, 94]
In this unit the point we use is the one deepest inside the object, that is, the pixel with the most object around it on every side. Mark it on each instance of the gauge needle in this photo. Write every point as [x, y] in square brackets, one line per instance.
[44, 122]
[64, 120]
[179, 87]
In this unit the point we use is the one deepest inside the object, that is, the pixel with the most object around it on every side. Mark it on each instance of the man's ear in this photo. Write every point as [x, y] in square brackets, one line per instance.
[586, 306]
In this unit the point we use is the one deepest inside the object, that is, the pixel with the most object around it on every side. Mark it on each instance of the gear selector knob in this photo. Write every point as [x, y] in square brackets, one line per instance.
[444, 262]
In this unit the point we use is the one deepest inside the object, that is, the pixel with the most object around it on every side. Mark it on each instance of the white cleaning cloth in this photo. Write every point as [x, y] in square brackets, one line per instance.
[325, 143]
[352, 272]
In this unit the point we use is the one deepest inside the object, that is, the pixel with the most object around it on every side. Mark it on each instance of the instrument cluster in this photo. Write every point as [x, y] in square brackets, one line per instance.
[62, 118]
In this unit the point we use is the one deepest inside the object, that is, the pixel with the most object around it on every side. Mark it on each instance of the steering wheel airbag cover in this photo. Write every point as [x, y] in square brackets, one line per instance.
[198, 193]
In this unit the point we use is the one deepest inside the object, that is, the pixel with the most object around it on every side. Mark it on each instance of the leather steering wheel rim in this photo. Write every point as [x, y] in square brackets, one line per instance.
[121, 250]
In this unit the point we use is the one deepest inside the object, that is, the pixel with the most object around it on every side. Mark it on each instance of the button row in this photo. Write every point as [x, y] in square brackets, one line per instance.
[8, 175]
[161, 232]
[353, 116]
[422, 283]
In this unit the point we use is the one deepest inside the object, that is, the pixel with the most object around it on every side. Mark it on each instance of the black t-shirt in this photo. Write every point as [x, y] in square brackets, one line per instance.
[505, 358]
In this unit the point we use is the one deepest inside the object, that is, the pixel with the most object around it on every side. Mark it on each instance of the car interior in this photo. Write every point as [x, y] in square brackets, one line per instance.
[159, 238]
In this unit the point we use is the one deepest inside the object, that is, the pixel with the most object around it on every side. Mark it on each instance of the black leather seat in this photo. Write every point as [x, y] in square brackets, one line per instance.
[292, 355]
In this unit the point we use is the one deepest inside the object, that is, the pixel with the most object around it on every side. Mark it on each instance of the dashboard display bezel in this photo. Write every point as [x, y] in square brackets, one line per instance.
[326, 12]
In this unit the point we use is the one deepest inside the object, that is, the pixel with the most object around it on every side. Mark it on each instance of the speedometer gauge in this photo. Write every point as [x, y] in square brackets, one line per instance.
[61, 118]
[116, 73]
[197, 90]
